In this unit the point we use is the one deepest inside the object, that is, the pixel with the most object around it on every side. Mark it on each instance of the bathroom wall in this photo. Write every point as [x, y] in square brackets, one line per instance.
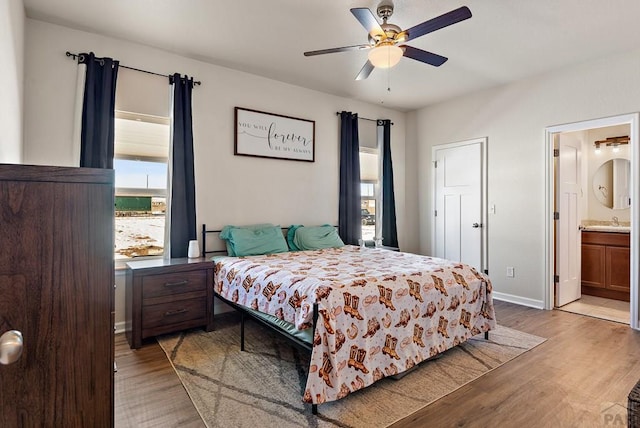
[594, 209]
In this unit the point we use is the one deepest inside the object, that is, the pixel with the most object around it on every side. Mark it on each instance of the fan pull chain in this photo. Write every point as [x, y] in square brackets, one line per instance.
[388, 70]
[388, 79]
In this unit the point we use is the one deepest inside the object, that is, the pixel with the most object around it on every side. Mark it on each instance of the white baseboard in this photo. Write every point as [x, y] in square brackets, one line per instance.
[524, 301]
[119, 327]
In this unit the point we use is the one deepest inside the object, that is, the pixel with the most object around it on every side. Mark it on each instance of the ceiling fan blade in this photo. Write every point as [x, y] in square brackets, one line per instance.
[439, 22]
[366, 71]
[423, 56]
[334, 50]
[369, 22]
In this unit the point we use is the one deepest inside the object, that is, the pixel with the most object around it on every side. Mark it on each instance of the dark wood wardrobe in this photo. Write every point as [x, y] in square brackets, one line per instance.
[57, 289]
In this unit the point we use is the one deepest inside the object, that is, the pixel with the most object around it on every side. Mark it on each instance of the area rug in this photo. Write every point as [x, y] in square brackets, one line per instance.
[262, 386]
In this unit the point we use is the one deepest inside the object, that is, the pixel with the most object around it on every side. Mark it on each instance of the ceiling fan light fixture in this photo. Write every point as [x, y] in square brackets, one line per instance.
[386, 40]
[385, 55]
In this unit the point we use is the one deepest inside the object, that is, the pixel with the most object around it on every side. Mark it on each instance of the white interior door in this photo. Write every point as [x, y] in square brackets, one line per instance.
[568, 239]
[458, 200]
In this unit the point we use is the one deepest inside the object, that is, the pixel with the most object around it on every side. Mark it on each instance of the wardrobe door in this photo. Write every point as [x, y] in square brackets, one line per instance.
[56, 288]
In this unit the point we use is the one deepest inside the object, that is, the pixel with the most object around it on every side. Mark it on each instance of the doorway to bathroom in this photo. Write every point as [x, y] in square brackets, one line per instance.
[592, 171]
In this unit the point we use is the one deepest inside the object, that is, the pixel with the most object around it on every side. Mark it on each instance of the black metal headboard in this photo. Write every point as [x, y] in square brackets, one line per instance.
[223, 251]
[205, 232]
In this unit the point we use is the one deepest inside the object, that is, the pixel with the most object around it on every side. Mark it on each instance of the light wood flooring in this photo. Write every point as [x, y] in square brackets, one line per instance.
[148, 392]
[599, 307]
[585, 366]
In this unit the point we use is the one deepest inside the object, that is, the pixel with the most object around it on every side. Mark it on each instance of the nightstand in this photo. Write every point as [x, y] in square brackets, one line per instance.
[165, 296]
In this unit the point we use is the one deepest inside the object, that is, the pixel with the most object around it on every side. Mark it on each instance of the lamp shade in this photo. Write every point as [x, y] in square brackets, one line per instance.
[385, 56]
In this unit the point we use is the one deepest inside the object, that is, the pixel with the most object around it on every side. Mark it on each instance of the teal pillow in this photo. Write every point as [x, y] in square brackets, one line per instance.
[317, 237]
[225, 234]
[248, 242]
[291, 233]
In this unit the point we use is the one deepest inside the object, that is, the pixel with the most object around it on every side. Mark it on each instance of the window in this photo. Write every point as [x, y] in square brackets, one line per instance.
[369, 192]
[369, 181]
[140, 163]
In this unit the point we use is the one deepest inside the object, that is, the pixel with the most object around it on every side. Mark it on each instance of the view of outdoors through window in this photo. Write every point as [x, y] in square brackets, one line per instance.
[368, 211]
[141, 187]
[140, 216]
[369, 176]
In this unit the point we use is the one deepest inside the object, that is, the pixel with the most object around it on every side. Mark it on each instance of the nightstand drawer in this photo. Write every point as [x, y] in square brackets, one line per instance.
[173, 283]
[168, 314]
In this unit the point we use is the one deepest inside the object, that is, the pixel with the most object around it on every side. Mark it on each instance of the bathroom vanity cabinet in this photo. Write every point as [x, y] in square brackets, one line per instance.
[606, 264]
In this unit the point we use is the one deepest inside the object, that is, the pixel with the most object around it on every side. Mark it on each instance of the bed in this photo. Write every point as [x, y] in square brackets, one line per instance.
[379, 313]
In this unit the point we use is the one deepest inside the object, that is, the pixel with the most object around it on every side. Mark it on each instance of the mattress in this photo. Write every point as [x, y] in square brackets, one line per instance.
[380, 312]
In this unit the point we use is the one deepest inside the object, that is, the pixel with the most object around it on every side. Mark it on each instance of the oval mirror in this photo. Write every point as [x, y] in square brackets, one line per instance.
[611, 184]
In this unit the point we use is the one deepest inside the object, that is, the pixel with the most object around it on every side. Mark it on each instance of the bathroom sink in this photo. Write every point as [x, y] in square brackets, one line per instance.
[607, 228]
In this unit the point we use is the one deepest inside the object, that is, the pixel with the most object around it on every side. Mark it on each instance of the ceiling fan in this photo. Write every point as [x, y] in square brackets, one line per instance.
[386, 41]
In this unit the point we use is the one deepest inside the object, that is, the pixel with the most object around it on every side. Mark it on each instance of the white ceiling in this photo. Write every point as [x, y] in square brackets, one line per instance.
[504, 41]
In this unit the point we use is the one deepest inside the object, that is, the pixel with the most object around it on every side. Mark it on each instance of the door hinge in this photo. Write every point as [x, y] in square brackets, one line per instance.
[556, 278]
[435, 213]
[486, 271]
[556, 153]
[556, 215]
[435, 164]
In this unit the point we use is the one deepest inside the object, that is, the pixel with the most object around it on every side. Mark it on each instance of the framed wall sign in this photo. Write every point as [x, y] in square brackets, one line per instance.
[269, 135]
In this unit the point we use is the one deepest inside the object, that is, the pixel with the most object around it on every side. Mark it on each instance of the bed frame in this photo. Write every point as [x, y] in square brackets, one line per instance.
[244, 312]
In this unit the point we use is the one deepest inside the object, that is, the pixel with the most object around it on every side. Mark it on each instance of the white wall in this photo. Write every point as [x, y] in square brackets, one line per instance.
[514, 117]
[229, 189]
[412, 199]
[12, 22]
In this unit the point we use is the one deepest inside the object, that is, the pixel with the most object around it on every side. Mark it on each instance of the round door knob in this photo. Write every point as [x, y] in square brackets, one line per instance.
[10, 347]
[476, 225]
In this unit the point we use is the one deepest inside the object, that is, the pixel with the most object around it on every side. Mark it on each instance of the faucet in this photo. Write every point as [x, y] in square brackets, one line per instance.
[615, 221]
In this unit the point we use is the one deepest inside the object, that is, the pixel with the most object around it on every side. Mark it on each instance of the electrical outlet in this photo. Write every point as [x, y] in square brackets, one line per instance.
[510, 272]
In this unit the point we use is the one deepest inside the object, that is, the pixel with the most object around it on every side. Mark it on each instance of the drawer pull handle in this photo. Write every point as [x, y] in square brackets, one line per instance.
[175, 284]
[175, 312]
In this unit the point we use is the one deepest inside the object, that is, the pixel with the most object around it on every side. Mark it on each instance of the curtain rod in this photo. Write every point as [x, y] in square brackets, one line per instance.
[74, 56]
[363, 118]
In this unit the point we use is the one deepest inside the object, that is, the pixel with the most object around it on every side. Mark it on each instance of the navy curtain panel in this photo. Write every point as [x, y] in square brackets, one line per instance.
[183, 192]
[349, 221]
[98, 111]
[389, 229]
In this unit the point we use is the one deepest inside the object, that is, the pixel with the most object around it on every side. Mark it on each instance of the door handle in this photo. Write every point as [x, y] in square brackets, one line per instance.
[175, 284]
[10, 347]
[175, 312]
[476, 225]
